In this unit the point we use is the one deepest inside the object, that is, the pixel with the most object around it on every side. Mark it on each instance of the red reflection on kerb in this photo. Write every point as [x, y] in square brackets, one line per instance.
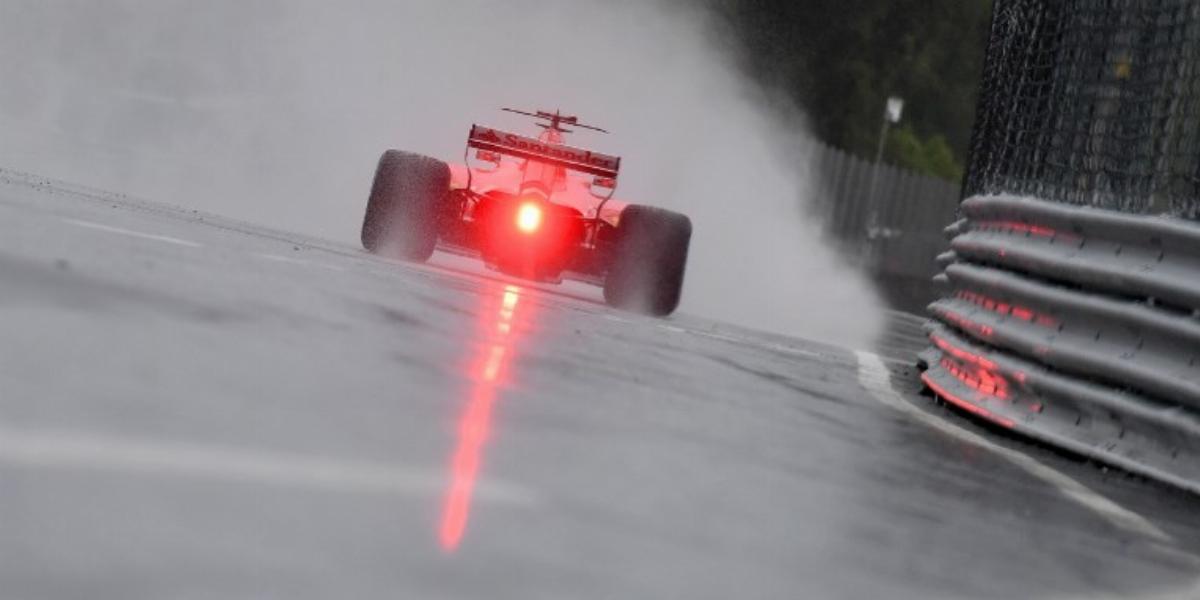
[963, 404]
[973, 370]
[963, 355]
[473, 426]
[1019, 227]
[1004, 308]
[966, 324]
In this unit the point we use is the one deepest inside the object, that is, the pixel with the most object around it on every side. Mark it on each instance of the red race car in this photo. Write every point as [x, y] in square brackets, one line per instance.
[532, 208]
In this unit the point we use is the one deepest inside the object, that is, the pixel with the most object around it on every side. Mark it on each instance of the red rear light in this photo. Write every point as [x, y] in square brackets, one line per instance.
[528, 236]
[529, 217]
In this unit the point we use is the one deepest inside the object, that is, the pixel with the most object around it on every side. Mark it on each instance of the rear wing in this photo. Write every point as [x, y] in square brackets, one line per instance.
[575, 159]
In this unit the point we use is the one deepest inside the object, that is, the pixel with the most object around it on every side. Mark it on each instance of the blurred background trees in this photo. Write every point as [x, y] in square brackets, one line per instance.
[841, 59]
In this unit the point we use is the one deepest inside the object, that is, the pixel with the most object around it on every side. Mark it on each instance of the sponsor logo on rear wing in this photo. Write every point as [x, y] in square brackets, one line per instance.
[576, 159]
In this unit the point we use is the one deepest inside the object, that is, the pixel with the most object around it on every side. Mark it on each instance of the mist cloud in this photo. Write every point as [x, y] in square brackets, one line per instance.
[275, 111]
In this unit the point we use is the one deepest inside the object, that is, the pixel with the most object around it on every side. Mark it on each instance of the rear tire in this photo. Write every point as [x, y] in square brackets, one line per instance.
[649, 257]
[402, 211]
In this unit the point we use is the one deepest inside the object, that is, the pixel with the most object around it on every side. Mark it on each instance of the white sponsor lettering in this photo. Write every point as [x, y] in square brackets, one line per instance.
[505, 140]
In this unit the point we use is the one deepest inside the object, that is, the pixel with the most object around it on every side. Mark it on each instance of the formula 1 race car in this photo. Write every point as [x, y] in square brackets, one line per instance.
[532, 208]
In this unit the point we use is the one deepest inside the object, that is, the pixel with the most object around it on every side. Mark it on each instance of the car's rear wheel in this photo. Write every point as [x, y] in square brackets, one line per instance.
[402, 211]
[649, 256]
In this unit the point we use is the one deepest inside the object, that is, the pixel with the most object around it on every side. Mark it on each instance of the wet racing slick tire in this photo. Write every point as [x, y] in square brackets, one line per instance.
[649, 256]
[402, 211]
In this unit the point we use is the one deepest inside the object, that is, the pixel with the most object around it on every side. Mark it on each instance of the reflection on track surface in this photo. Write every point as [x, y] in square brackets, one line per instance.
[497, 342]
[191, 406]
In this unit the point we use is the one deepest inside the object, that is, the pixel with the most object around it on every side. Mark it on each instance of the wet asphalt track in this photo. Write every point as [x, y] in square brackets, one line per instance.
[196, 408]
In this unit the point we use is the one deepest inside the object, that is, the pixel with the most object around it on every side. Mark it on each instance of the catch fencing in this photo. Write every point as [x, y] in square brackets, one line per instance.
[1071, 304]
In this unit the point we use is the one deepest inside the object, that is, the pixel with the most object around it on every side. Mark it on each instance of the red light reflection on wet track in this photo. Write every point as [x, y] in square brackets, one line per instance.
[486, 373]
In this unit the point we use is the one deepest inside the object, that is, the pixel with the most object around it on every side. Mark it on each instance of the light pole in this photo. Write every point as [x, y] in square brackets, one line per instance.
[891, 115]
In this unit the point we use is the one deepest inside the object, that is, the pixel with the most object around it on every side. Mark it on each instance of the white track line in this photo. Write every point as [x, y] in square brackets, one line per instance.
[74, 450]
[129, 233]
[875, 377]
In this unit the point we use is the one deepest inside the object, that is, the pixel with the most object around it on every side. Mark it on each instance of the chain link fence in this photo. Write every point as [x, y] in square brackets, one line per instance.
[1092, 102]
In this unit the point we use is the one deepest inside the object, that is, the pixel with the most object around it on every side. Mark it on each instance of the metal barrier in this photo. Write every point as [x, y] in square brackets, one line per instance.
[1077, 326]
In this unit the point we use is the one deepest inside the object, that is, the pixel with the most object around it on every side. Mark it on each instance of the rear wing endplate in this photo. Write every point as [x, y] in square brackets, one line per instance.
[575, 159]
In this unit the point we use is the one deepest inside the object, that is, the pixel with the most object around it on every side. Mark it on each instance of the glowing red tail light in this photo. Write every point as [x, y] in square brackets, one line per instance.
[529, 217]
